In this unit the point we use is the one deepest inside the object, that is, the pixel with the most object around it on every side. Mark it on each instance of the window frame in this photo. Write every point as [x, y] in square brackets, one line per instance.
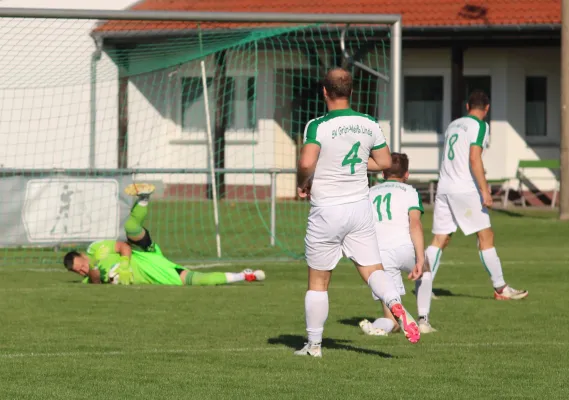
[548, 134]
[236, 136]
[427, 137]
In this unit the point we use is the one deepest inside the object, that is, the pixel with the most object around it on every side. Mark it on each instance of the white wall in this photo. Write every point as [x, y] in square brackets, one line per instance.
[156, 139]
[45, 86]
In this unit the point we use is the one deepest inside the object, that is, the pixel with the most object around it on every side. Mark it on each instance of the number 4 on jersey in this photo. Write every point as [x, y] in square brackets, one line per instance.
[352, 158]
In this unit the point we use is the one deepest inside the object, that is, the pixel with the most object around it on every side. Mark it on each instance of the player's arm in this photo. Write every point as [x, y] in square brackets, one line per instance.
[418, 239]
[380, 156]
[477, 168]
[94, 276]
[308, 158]
[380, 159]
[125, 276]
[123, 249]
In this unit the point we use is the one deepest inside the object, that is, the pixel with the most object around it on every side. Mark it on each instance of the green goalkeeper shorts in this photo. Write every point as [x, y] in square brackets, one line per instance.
[152, 268]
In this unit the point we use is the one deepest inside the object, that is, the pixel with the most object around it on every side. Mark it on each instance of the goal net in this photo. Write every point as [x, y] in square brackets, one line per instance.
[211, 113]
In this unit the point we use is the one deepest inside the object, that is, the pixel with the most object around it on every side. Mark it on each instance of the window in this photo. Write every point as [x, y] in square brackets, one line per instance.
[472, 83]
[536, 106]
[239, 107]
[193, 106]
[423, 104]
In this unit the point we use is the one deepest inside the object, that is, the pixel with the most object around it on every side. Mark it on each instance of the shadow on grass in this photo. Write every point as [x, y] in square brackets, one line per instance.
[355, 321]
[296, 342]
[448, 293]
[509, 213]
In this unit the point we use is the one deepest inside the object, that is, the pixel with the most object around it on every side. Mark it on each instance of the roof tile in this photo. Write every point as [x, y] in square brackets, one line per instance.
[415, 13]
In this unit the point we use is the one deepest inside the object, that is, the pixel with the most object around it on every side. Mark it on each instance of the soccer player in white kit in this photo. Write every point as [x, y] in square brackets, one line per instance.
[463, 195]
[397, 209]
[332, 170]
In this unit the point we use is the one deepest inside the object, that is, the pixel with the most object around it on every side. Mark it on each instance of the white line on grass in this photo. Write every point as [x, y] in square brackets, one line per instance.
[256, 349]
[134, 352]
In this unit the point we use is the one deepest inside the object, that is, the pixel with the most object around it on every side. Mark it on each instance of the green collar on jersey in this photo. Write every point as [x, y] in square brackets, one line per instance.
[341, 112]
[474, 118]
[392, 180]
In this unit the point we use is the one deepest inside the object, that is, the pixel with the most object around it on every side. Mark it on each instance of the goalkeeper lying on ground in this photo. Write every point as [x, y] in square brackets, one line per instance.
[140, 261]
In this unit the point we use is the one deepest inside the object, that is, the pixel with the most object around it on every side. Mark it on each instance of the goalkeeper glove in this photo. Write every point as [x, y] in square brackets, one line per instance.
[124, 271]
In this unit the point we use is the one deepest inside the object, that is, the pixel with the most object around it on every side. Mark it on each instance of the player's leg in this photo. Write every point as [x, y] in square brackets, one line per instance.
[194, 278]
[492, 264]
[383, 326]
[316, 308]
[360, 245]
[424, 290]
[134, 225]
[324, 233]
[444, 225]
[472, 217]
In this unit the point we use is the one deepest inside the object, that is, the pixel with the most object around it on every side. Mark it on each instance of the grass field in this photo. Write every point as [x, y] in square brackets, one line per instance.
[64, 340]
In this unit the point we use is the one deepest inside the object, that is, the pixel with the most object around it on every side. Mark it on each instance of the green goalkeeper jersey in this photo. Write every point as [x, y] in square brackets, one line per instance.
[103, 257]
[147, 267]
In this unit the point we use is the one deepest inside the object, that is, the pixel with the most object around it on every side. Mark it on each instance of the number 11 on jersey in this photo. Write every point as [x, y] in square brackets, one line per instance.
[378, 201]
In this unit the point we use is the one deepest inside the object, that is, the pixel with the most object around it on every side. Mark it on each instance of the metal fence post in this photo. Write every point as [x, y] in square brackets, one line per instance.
[274, 173]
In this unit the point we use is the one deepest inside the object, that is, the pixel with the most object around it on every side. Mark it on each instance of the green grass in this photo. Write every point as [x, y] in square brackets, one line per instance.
[64, 340]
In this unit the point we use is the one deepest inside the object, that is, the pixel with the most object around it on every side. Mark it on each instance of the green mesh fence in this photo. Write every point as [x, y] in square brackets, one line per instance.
[78, 124]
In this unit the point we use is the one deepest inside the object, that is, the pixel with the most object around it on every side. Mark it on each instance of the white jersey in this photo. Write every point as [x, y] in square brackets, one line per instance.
[392, 201]
[346, 139]
[455, 175]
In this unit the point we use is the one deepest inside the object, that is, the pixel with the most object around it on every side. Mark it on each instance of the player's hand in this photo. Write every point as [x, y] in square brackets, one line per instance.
[417, 271]
[304, 191]
[487, 199]
[125, 276]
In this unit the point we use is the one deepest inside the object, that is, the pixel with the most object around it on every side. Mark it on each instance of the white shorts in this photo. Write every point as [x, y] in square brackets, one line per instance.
[347, 228]
[398, 260]
[462, 210]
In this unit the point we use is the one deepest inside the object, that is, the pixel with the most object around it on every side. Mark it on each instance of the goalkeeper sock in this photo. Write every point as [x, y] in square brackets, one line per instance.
[491, 262]
[434, 255]
[234, 277]
[205, 278]
[133, 225]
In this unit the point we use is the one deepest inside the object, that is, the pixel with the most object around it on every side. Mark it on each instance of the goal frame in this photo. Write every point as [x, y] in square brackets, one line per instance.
[394, 79]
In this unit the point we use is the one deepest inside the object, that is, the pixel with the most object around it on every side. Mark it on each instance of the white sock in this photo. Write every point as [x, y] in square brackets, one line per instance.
[424, 288]
[493, 266]
[234, 277]
[142, 203]
[316, 308]
[383, 323]
[434, 255]
[383, 287]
